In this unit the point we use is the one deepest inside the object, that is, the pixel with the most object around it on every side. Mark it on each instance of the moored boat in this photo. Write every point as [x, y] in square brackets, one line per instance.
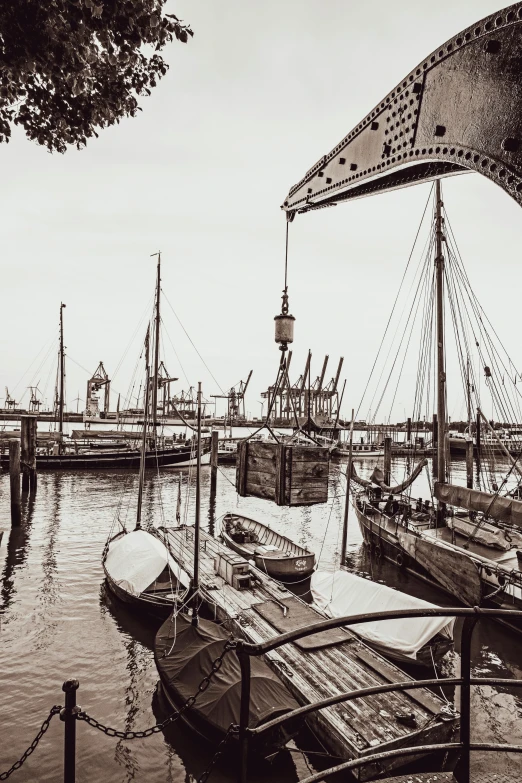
[184, 652]
[141, 573]
[272, 552]
[421, 640]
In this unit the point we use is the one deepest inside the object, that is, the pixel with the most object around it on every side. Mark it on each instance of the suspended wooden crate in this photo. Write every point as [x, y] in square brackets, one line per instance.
[290, 475]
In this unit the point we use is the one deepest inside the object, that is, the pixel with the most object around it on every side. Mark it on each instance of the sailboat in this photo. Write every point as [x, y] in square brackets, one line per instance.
[465, 540]
[160, 451]
[185, 649]
[138, 567]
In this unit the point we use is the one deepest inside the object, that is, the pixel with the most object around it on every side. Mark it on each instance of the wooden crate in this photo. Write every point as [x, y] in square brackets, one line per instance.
[287, 474]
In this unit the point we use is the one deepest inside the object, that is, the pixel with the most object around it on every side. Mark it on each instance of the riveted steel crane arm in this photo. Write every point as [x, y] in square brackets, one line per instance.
[459, 110]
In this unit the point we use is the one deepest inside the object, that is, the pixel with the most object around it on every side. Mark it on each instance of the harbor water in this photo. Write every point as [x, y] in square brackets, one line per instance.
[57, 621]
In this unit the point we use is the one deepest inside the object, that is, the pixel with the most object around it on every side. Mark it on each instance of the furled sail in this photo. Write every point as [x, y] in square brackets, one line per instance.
[506, 510]
[377, 478]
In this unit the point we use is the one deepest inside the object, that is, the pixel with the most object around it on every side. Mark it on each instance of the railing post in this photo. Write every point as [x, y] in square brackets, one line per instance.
[68, 715]
[462, 770]
[244, 711]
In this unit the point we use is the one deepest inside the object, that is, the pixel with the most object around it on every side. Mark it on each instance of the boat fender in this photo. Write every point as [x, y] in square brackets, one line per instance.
[400, 560]
[501, 579]
[378, 551]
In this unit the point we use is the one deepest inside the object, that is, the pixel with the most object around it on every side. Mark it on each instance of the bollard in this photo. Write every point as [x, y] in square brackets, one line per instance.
[68, 715]
[14, 473]
[32, 455]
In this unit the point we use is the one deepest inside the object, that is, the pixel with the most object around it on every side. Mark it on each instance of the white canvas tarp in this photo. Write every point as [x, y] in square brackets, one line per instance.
[341, 593]
[135, 561]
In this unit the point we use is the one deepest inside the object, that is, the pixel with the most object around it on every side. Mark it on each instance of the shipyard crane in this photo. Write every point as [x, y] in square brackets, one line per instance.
[235, 400]
[457, 111]
[10, 403]
[34, 402]
[164, 381]
[99, 380]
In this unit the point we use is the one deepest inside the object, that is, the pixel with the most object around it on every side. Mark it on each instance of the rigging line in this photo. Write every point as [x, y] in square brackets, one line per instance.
[174, 349]
[422, 295]
[133, 337]
[50, 340]
[286, 257]
[479, 305]
[418, 272]
[190, 340]
[395, 302]
[421, 276]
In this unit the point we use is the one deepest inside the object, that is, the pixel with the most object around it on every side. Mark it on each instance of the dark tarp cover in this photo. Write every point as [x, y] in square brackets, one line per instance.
[191, 659]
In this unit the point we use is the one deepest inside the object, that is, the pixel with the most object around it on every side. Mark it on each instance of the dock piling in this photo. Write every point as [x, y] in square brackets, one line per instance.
[214, 459]
[28, 453]
[14, 473]
[469, 464]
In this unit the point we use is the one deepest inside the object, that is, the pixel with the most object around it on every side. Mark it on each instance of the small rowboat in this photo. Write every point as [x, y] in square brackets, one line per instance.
[272, 553]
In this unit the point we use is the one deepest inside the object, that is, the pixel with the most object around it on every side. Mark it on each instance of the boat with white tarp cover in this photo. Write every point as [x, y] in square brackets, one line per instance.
[407, 640]
[141, 572]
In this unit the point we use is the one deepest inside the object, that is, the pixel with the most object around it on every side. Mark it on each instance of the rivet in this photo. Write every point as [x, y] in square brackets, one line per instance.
[328, 180]
[492, 46]
[511, 145]
[440, 130]
[342, 161]
[374, 125]
[417, 88]
[353, 166]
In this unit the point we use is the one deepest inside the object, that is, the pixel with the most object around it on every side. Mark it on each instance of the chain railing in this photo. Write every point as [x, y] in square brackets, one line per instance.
[72, 713]
[34, 744]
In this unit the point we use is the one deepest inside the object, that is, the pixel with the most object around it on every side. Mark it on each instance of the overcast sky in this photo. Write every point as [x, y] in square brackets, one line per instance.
[249, 104]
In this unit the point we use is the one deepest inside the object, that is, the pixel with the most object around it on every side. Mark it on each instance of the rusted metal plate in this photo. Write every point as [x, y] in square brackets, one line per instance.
[458, 111]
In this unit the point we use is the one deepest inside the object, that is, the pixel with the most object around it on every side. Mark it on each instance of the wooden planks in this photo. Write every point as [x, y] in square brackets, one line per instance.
[291, 613]
[348, 729]
[290, 475]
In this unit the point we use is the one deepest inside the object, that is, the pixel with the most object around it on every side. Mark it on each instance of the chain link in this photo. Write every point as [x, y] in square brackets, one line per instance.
[45, 725]
[203, 685]
[232, 729]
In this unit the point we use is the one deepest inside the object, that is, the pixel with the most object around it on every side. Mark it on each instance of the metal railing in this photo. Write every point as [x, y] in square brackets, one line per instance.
[245, 650]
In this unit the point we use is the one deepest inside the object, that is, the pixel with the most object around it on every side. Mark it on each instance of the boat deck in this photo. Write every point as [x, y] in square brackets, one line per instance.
[312, 672]
[507, 559]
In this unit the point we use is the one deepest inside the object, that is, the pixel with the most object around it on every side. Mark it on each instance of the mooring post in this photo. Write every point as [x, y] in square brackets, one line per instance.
[387, 459]
[244, 712]
[214, 459]
[32, 455]
[14, 474]
[408, 431]
[469, 463]
[24, 451]
[68, 715]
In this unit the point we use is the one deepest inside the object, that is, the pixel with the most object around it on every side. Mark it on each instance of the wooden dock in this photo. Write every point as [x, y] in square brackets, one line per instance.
[321, 665]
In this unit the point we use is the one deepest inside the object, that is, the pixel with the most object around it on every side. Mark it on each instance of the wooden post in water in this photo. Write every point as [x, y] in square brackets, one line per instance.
[33, 479]
[387, 459]
[434, 443]
[25, 422]
[347, 499]
[14, 473]
[214, 459]
[469, 463]
[408, 431]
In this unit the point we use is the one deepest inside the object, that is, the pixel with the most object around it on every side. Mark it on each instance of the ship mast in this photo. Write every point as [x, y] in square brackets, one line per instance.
[62, 382]
[141, 481]
[156, 350]
[195, 580]
[441, 370]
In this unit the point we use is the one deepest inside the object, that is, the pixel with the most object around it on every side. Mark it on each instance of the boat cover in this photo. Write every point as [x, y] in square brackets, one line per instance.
[486, 534]
[507, 510]
[342, 593]
[135, 561]
[184, 656]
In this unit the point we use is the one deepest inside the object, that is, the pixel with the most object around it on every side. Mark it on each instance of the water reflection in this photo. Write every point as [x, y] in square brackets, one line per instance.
[17, 549]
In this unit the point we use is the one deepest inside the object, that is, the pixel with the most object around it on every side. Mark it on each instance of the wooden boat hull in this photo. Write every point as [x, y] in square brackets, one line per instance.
[295, 566]
[176, 457]
[468, 579]
[144, 604]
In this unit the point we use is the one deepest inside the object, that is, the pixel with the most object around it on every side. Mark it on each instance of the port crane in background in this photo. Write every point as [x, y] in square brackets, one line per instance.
[99, 380]
[235, 401]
